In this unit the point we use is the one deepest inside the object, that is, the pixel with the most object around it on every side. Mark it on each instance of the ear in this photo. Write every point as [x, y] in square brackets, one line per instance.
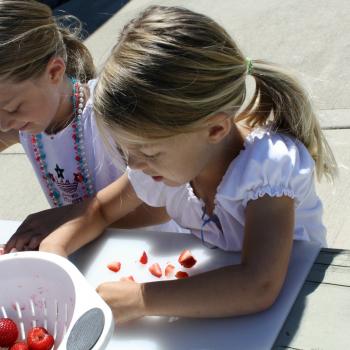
[219, 126]
[55, 70]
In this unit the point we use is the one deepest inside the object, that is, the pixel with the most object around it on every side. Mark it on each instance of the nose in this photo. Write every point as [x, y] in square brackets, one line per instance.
[136, 163]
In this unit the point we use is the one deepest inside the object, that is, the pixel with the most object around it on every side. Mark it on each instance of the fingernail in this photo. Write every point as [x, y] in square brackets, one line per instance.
[13, 250]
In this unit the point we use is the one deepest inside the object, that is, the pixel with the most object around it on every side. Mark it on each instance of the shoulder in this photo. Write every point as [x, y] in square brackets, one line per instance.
[267, 147]
[270, 163]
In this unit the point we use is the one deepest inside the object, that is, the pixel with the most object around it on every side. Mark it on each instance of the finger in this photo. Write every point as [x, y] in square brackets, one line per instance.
[2, 249]
[11, 243]
[22, 242]
[34, 242]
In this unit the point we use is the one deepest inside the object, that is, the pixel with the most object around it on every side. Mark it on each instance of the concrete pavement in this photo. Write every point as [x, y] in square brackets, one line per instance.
[310, 37]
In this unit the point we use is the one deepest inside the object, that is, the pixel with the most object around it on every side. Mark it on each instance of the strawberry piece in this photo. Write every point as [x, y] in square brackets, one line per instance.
[19, 346]
[186, 259]
[8, 332]
[155, 270]
[114, 266]
[144, 258]
[39, 338]
[181, 274]
[169, 270]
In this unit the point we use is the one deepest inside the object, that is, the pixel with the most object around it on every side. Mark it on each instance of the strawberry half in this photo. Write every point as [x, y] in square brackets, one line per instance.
[169, 270]
[19, 346]
[155, 270]
[114, 266]
[186, 259]
[39, 338]
[144, 258]
[181, 274]
[8, 332]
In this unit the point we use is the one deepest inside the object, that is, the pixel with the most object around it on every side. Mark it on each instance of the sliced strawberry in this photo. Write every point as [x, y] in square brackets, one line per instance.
[19, 346]
[155, 270]
[39, 338]
[181, 274]
[128, 278]
[114, 266]
[186, 259]
[8, 332]
[144, 258]
[169, 270]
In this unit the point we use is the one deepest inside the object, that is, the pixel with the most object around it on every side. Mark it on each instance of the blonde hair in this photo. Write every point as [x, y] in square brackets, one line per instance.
[173, 68]
[30, 36]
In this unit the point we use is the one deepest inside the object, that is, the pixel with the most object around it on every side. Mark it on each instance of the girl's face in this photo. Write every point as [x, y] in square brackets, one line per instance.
[174, 161]
[27, 106]
[35, 104]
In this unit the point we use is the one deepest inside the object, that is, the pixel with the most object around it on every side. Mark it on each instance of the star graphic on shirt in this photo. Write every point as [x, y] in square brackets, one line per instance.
[59, 172]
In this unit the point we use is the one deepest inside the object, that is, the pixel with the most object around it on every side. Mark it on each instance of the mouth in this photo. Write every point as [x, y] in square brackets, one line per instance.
[157, 178]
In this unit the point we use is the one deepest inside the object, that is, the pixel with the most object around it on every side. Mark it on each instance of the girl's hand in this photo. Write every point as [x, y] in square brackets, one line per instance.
[36, 227]
[124, 298]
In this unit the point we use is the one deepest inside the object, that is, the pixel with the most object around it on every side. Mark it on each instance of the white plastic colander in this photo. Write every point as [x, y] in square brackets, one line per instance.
[46, 290]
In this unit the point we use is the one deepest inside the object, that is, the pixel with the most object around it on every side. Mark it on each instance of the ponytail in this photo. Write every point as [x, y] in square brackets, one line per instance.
[79, 62]
[30, 35]
[279, 98]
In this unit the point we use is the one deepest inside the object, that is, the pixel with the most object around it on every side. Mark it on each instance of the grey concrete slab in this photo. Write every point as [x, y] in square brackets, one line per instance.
[20, 193]
[310, 37]
[15, 149]
[335, 118]
[336, 197]
[318, 320]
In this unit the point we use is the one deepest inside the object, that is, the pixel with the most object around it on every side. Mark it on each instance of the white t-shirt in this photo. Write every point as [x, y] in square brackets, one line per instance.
[270, 164]
[62, 165]
[61, 162]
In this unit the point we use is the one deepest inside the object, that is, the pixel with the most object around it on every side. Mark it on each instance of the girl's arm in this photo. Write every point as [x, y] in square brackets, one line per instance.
[8, 139]
[142, 216]
[92, 217]
[241, 289]
[39, 225]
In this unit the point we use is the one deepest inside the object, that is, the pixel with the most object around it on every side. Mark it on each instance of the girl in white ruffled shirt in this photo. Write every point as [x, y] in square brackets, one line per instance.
[171, 93]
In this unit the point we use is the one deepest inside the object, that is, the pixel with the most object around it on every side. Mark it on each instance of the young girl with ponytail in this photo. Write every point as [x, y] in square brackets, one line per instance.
[241, 179]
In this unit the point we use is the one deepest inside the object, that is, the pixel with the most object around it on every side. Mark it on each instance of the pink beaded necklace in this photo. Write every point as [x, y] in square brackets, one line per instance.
[82, 171]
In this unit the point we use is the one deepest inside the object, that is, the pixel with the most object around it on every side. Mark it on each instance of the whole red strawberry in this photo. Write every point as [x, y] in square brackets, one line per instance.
[39, 338]
[19, 346]
[8, 332]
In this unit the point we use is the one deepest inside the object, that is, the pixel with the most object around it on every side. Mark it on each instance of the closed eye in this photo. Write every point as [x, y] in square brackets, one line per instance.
[151, 156]
[15, 110]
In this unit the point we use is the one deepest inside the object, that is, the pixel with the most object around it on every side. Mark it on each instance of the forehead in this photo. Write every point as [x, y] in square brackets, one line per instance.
[9, 91]
[161, 144]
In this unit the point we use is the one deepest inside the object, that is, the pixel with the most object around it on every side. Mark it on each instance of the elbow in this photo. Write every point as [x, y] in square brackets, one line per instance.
[267, 292]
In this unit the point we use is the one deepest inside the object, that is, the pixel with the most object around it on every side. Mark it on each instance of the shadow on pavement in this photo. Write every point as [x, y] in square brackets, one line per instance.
[91, 13]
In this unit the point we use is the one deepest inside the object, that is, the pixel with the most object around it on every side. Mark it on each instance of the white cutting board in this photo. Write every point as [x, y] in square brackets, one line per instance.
[257, 331]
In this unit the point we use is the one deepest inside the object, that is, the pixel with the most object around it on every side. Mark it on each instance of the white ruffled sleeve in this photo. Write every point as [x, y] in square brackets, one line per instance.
[273, 165]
